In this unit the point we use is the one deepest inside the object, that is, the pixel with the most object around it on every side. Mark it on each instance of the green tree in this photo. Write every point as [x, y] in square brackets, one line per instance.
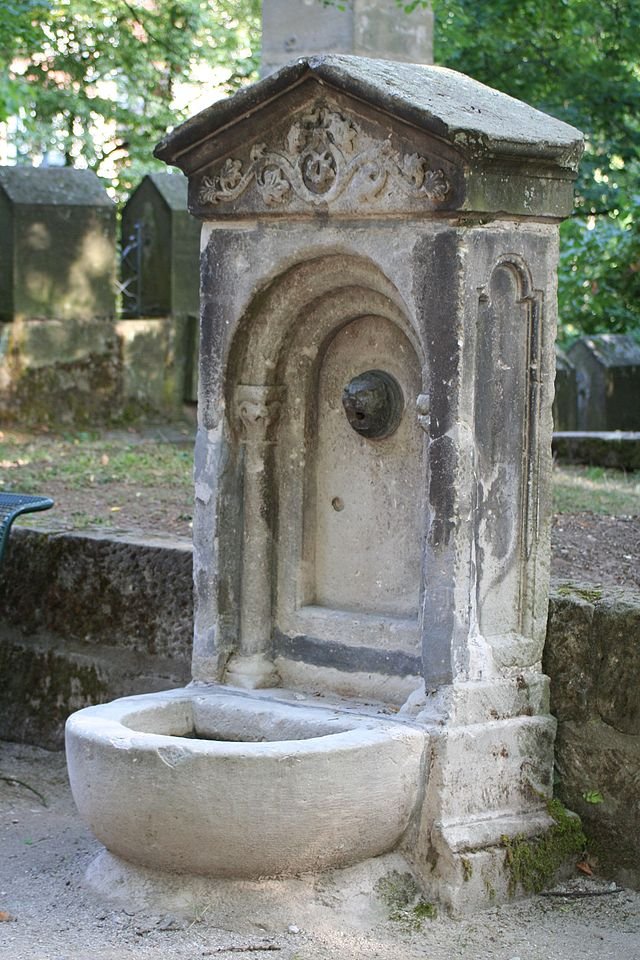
[579, 61]
[96, 81]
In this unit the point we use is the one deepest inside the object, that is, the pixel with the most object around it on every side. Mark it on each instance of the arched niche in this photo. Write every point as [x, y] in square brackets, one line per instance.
[507, 404]
[333, 521]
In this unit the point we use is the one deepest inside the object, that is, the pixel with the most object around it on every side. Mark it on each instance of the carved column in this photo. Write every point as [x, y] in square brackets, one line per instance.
[257, 409]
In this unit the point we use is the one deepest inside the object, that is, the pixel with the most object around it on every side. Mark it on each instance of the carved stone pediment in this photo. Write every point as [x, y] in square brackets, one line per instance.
[325, 157]
[350, 136]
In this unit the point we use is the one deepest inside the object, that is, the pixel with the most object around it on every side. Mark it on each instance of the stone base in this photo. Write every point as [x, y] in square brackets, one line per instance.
[472, 870]
[349, 895]
[251, 673]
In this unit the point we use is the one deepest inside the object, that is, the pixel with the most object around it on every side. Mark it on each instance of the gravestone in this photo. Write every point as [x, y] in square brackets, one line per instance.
[160, 279]
[367, 28]
[373, 461]
[608, 382]
[57, 245]
[161, 272]
[565, 400]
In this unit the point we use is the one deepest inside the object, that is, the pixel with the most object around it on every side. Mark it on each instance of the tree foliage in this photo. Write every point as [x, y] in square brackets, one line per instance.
[579, 61]
[98, 82]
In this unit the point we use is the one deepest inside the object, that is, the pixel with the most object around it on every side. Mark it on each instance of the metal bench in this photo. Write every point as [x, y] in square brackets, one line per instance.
[11, 506]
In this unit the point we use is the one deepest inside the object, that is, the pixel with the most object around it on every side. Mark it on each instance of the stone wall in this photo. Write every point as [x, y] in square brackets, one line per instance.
[592, 656]
[84, 619]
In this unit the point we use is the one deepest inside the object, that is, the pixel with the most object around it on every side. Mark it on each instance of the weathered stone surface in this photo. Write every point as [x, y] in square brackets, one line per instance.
[594, 758]
[367, 28]
[57, 245]
[85, 372]
[592, 656]
[616, 626]
[608, 381]
[571, 657]
[46, 678]
[221, 149]
[100, 590]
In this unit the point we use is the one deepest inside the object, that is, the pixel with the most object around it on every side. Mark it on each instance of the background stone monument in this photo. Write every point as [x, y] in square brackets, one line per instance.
[367, 28]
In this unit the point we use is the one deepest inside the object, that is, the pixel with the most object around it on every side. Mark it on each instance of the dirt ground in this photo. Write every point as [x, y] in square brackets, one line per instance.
[49, 914]
[585, 546]
[596, 549]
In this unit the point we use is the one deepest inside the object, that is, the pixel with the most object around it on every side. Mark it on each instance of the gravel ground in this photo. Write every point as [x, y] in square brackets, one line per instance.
[49, 914]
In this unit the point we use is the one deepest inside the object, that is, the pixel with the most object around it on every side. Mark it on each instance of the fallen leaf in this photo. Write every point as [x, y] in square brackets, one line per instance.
[584, 867]
[115, 509]
[4, 916]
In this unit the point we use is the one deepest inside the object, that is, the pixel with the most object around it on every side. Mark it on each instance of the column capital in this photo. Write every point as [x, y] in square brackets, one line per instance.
[257, 409]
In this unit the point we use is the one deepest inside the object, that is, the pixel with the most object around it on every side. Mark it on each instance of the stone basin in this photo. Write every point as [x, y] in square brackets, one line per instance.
[222, 783]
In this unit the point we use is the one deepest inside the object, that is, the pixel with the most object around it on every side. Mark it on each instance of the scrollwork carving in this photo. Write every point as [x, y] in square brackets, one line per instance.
[324, 154]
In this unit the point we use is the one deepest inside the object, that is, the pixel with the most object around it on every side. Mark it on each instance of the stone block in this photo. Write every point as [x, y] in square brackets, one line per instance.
[155, 364]
[595, 758]
[571, 657]
[592, 656]
[60, 371]
[610, 449]
[57, 245]
[616, 629]
[99, 589]
[46, 678]
[608, 381]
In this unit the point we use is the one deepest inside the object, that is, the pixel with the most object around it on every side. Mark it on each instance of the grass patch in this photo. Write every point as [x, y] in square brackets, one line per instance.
[30, 462]
[580, 489]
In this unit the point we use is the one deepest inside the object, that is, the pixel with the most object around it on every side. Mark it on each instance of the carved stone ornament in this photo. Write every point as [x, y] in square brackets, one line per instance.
[323, 155]
[423, 405]
[257, 409]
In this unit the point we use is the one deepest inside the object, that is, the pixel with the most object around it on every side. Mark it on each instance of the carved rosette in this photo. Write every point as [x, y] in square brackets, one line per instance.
[324, 155]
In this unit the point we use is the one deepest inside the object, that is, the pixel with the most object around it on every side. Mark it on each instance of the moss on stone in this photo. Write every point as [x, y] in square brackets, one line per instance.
[532, 862]
[401, 894]
[590, 594]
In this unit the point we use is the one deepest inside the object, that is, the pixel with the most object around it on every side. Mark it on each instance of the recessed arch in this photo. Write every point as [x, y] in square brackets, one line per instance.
[286, 302]
[309, 315]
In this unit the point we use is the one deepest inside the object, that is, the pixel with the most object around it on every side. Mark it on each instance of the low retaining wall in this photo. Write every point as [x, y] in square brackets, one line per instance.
[592, 656]
[87, 618]
[84, 619]
[612, 449]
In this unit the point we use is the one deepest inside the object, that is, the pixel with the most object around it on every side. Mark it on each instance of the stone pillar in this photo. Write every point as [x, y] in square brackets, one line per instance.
[367, 28]
[257, 409]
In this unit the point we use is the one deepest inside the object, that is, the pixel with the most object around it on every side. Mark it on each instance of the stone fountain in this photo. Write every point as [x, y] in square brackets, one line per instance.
[371, 536]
